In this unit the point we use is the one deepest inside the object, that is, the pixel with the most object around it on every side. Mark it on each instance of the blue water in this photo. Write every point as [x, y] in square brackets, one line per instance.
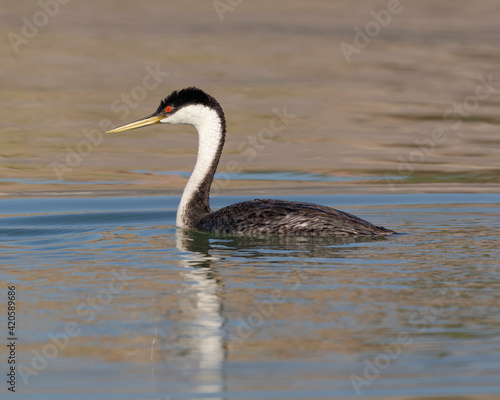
[274, 176]
[164, 314]
[255, 176]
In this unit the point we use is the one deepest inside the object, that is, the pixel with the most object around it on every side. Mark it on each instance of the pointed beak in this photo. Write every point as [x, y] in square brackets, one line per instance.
[138, 124]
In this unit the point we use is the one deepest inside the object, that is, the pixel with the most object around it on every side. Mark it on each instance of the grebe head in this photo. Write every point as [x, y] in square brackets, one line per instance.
[190, 106]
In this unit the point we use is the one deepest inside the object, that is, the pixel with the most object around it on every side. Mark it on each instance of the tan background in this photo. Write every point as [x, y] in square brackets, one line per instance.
[360, 118]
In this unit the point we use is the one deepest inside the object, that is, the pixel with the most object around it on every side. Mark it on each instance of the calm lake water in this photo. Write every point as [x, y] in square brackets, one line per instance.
[158, 313]
[398, 124]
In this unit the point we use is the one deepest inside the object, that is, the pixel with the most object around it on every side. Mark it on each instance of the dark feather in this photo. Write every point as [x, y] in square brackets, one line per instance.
[286, 217]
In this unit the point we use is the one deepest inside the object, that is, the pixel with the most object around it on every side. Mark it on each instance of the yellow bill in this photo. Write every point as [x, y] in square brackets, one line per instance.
[138, 124]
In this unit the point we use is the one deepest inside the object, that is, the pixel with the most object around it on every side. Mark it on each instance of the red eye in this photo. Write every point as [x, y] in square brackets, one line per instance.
[168, 109]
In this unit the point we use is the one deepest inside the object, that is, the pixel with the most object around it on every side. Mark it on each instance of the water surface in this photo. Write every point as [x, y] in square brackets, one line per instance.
[87, 219]
[163, 313]
[372, 115]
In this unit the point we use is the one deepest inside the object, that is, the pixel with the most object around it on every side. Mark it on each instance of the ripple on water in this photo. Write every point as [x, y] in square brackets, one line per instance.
[232, 310]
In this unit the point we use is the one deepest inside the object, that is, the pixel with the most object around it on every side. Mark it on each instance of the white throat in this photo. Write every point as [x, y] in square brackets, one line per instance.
[210, 140]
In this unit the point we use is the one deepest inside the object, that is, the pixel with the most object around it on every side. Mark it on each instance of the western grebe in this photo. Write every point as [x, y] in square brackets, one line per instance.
[192, 106]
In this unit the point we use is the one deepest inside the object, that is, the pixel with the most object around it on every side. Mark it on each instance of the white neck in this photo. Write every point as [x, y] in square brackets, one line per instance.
[195, 198]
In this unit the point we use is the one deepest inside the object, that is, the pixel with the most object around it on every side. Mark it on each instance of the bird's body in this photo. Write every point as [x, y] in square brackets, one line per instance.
[194, 107]
[286, 217]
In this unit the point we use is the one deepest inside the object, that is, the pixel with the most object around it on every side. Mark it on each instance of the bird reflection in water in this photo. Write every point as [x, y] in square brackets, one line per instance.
[199, 326]
[195, 343]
